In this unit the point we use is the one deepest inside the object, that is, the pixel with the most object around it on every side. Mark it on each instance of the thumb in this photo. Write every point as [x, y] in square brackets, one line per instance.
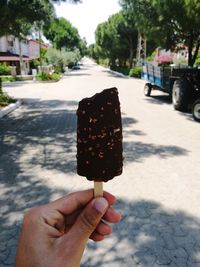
[89, 219]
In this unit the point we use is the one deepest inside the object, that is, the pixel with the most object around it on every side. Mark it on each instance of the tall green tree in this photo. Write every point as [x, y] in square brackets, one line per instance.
[62, 34]
[17, 17]
[15, 13]
[170, 22]
[117, 39]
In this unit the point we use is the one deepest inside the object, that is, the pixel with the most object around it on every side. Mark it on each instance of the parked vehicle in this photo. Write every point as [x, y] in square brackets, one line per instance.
[76, 67]
[181, 83]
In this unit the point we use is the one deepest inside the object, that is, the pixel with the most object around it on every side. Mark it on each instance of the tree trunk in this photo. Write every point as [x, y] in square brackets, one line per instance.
[131, 53]
[20, 57]
[40, 49]
[190, 47]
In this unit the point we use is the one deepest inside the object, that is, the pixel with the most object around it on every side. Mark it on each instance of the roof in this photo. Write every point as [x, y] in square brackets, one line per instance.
[7, 56]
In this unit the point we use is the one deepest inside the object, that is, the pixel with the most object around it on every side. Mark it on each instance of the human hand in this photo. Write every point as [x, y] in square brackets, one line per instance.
[56, 234]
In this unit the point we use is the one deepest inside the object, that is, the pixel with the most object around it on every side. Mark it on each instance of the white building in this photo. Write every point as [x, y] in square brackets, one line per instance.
[10, 47]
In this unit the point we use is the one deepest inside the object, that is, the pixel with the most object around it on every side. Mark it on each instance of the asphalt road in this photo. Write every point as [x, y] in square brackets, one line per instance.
[158, 192]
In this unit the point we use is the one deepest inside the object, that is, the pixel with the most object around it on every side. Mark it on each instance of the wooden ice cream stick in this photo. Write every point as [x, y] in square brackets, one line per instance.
[98, 189]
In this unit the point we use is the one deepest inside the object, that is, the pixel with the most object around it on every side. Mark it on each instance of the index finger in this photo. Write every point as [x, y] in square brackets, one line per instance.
[77, 200]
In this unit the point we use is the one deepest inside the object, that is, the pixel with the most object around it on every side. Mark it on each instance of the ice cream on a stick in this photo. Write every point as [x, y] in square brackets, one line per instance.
[99, 138]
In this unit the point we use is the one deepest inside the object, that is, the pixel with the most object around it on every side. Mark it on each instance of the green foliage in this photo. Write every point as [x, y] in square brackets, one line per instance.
[4, 69]
[83, 47]
[103, 62]
[55, 58]
[116, 39]
[168, 22]
[11, 79]
[152, 56]
[197, 62]
[71, 57]
[7, 79]
[123, 70]
[135, 72]
[132, 72]
[61, 59]
[55, 76]
[62, 34]
[5, 99]
[34, 64]
[18, 78]
[42, 76]
[48, 77]
[17, 18]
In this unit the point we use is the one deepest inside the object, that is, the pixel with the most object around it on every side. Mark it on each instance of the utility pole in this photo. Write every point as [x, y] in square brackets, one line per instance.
[40, 49]
[141, 49]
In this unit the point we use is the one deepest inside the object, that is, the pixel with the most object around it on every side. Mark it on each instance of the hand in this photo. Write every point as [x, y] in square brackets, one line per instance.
[56, 234]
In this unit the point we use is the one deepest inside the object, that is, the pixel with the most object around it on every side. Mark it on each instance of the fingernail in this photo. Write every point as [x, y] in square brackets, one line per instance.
[100, 204]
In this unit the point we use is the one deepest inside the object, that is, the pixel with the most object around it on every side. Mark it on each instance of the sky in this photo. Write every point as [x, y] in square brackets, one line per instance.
[87, 15]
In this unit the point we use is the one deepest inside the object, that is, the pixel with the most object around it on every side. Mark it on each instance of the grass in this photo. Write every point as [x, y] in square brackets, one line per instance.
[5, 100]
[11, 79]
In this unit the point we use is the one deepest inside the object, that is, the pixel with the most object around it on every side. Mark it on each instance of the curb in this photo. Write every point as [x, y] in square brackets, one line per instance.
[9, 108]
[125, 76]
[118, 74]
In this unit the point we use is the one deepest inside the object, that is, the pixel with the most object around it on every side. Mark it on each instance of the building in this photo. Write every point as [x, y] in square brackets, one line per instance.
[10, 48]
[34, 48]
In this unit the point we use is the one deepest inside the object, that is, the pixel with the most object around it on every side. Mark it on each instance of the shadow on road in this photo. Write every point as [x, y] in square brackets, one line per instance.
[166, 99]
[116, 75]
[148, 235]
[159, 99]
[39, 135]
[135, 151]
[77, 73]
[42, 135]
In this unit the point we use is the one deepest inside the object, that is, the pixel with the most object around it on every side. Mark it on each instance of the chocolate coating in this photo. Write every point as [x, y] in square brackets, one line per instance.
[99, 136]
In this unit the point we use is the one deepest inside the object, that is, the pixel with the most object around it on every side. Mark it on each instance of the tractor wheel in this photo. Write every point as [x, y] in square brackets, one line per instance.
[180, 94]
[147, 89]
[196, 110]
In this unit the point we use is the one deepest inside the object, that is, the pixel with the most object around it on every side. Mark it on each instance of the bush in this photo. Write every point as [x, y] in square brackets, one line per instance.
[5, 79]
[42, 76]
[11, 79]
[48, 77]
[34, 64]
[123, 70]
[4, 70]
[17, 78]
[197, 62]
[55, 76]
[62, 59]
[135, 72]
[5, 99]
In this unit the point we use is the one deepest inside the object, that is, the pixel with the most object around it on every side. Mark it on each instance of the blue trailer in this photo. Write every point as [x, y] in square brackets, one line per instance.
[181, 83]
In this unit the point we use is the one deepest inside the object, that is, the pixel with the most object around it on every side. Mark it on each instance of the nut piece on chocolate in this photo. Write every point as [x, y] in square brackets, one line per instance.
[99, 136]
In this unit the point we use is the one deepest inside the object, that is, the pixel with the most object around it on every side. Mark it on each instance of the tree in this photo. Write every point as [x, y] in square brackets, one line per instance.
[169, 22]
[62, 34]
[127, 35]
[15, 13]
[19, 16]
[61, 58]
[117, 39]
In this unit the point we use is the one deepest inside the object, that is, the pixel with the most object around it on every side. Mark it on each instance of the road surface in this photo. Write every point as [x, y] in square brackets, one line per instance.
[158, 192]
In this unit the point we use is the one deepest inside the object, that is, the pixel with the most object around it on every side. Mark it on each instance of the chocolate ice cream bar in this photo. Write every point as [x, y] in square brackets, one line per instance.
[99, 136]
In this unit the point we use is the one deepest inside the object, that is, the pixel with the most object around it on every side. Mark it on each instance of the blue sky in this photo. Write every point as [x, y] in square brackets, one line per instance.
[87, 15]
